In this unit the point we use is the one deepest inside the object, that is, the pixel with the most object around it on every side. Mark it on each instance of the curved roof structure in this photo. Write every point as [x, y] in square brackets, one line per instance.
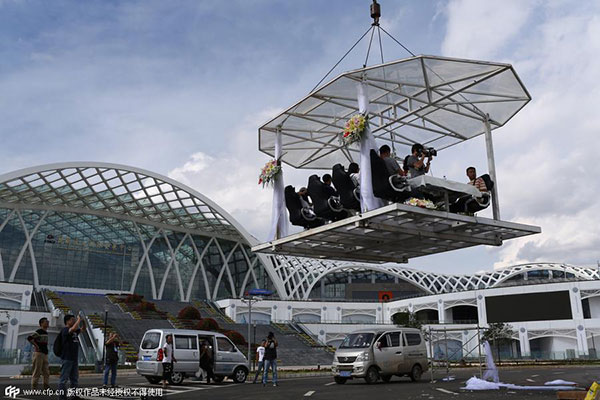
[120, 191]
[300, 275]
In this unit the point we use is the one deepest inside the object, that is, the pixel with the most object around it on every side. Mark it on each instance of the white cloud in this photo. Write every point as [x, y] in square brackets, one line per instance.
[479, 29]
[546, 156]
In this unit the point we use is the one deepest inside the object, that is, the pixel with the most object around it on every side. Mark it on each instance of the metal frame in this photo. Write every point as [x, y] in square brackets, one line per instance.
[396, 233]
[414, 100]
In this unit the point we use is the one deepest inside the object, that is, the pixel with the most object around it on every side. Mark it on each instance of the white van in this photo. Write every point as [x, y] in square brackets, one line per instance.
[375, 355]
[229, 361]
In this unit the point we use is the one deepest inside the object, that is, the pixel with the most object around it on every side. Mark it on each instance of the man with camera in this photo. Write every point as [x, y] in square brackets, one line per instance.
[416, 163]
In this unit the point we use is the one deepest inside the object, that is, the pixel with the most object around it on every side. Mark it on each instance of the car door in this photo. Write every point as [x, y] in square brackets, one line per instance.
[396, 352]
[186, 353]
[416, 352]
[225, 356]
[384, 354]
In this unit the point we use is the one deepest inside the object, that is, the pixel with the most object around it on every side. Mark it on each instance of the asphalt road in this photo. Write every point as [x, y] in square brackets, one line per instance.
[324, 388]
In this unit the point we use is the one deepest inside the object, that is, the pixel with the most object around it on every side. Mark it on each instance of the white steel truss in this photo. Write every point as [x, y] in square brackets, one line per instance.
[436, 101]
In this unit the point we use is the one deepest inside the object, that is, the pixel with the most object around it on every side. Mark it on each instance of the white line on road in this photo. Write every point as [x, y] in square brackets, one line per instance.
[330, 383]
[309, 393]
[533, 376]
[445, 391]
[530, 380]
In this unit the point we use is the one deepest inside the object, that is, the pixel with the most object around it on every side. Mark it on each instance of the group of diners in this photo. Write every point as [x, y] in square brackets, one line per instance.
[336, 196]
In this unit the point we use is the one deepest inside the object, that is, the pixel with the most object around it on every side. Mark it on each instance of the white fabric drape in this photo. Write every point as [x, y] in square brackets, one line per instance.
[279, 220]
[368, 201]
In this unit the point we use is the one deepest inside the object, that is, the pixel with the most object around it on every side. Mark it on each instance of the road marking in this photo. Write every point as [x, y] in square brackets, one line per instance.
[533, 376]
[309, 393]
[445, 391]
[530, 380]
[330, 383]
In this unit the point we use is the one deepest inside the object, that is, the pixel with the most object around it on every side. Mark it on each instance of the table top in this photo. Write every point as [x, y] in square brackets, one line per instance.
[453, 186]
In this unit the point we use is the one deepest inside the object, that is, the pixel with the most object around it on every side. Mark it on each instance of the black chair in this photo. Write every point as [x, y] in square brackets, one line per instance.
[345, 188]
[384, 185]
[300, 216]
[469, 204]
[326, 206]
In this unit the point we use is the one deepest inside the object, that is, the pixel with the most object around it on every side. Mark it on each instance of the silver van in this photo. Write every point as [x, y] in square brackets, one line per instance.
[375, 355]
[229, 361]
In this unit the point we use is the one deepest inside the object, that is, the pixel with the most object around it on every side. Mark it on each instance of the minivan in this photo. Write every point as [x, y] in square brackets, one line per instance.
[229, 361]
[375, 355]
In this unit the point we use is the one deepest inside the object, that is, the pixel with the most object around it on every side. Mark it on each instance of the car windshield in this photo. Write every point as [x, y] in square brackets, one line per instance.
[357, 341]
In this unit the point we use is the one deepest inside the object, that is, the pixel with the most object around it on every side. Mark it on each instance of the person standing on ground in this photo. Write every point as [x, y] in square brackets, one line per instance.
[112, 360]
[270, 358]
[206, 361]
[39, 341]
[260, 355]
[168, 360]
[69, 369]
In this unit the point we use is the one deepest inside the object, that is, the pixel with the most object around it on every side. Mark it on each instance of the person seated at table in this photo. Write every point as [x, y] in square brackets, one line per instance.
[353, 172]
[416, 161]
[329, 189]
[468, 204]
[479, 183]
[390, 162]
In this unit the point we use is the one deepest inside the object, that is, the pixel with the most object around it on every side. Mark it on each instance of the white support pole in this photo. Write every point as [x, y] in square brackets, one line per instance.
[279, 221]
[489, 146]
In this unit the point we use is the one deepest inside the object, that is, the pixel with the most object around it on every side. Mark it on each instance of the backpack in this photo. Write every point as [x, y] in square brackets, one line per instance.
[57, 348]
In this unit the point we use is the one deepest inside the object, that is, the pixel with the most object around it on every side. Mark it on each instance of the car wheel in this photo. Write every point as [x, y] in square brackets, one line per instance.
[218, 379]
[239, 375]
[372, 375]
[386, 378]
[176, 378]
[153, 379]
[339, 380]
[415, 373]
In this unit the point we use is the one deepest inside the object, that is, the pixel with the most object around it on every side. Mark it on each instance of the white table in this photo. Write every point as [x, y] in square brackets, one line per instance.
[450, 190]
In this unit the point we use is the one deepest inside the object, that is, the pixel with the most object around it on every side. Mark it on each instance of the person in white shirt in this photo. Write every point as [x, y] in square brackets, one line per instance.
[168, 360]
[260, 355]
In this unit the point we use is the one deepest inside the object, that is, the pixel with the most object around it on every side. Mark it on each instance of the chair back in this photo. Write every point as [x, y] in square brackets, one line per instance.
[345, 187]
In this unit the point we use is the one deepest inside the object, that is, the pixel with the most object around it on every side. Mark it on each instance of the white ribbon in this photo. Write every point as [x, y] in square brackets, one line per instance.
[368, 201]
[279, 220]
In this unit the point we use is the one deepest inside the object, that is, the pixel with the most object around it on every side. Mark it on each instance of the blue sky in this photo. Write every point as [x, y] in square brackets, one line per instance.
[180, 88]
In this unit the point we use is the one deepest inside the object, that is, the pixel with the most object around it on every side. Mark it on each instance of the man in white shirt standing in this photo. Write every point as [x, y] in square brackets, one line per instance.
[260, 355]
[168, 360]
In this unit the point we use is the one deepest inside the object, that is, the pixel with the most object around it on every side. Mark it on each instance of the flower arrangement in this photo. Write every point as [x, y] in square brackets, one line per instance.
[355, 128]
[413, 201]
[269, 172]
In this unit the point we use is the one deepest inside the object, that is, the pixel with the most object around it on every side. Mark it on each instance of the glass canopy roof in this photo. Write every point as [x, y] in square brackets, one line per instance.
[109, 190]
[436, 101]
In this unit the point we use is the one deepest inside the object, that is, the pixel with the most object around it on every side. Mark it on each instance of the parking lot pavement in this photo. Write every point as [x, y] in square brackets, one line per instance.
[308, 388]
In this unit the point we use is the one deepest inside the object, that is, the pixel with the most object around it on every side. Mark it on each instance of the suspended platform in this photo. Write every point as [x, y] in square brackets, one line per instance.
[396, 233]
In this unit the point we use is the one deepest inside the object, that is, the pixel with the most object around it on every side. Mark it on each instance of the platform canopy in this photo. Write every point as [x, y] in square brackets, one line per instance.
[396, 233]
[436, 101]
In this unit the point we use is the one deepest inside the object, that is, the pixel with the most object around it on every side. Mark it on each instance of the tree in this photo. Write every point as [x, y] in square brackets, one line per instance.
[406, 318]
[497, 333]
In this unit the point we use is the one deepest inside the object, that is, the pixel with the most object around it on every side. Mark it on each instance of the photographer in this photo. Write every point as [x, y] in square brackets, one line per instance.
[270, 358]
[416, 161]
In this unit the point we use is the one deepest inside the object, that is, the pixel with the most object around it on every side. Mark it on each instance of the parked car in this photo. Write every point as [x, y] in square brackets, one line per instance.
[375, 355]
[229, 361]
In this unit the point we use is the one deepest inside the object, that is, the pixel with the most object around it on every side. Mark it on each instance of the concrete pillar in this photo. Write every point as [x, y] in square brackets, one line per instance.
[481, 311]
[582, 344]
[524, 342]
[576, 307]
[379, 314]
[441, 311]
[12, 332]
[338, 314]
[26, 299]
[324, 318]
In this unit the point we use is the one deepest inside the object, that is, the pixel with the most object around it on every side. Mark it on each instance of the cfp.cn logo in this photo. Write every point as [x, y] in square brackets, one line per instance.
[12, 392]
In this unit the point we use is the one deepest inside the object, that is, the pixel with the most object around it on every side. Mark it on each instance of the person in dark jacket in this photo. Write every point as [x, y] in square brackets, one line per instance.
[69, 368]
[206, 360]
[112, 359]
[270, 358]
[39, 341]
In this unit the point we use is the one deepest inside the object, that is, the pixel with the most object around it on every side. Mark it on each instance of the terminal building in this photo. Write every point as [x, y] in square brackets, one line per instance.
[97, 228]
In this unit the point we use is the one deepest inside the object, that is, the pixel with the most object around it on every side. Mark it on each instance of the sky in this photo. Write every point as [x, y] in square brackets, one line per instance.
[181, 87]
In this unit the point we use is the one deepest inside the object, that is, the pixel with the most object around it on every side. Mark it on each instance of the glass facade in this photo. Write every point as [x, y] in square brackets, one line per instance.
[97, 252]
